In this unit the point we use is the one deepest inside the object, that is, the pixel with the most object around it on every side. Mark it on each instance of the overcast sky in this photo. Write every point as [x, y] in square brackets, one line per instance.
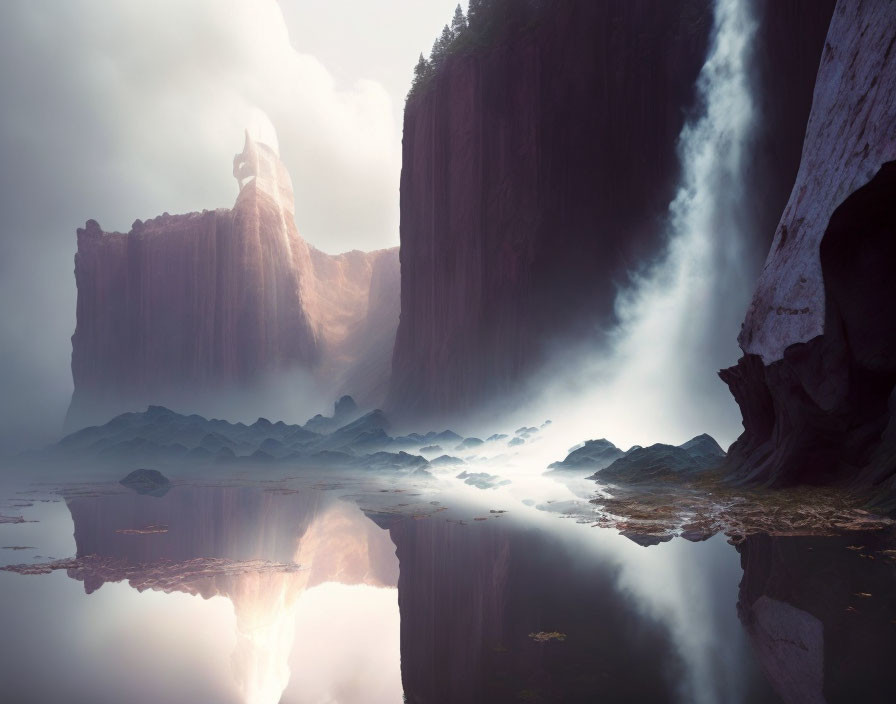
[122, 110]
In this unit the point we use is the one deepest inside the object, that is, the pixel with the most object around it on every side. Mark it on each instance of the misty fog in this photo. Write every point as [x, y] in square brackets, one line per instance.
[139, 138]
[119, 111]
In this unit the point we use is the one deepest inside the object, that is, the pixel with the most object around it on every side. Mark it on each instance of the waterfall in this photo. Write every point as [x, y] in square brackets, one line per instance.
[655, 381]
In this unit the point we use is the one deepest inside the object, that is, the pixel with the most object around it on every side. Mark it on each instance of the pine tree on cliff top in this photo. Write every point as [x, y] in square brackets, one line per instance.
[447, 38]
[421, 71]
[474, 11]
[441, 46]
[435, 56]
[459, 22]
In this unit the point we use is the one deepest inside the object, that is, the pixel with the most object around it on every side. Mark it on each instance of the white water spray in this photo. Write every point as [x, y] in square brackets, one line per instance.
[650, 382]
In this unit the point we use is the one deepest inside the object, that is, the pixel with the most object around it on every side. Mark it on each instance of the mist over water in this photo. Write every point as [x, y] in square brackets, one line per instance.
[655, 379]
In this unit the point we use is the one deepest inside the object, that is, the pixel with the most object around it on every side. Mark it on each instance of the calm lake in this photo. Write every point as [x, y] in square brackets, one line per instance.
[312, 589]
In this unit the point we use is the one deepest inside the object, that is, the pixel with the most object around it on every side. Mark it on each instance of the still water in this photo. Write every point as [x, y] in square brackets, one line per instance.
[304, 590]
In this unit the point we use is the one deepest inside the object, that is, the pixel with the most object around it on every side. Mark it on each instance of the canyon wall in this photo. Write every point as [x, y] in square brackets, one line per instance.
[816, 382]
[196, 305]
[539, 161]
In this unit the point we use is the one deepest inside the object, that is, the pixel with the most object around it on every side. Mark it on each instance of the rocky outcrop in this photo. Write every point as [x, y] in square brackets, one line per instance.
[538, 164]
[199, 304]
[816, 383]
[661, 462]
[160, 435]
[591, 455]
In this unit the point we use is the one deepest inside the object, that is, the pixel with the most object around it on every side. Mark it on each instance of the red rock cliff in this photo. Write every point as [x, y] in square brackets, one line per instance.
[537, 167]
[190, 304]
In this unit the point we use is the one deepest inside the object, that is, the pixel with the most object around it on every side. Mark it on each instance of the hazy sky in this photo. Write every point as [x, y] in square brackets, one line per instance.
[122, 110]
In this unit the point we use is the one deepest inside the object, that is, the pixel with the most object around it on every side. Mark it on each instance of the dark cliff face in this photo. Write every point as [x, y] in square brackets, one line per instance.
[538, 166]
[787, 48]
[816, 383]
[197, 305]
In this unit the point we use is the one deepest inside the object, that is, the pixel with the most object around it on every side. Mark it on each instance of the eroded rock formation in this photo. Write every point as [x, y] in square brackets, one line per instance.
[195, 304]
[816, 383]
[538, 164]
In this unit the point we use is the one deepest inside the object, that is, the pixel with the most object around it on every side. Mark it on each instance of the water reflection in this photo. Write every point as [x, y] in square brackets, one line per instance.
[522, 606]
[260, 549]
[821, 614]
[474, 600]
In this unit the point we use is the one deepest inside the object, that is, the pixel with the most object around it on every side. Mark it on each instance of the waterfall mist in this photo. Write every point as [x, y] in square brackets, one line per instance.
[654, 379]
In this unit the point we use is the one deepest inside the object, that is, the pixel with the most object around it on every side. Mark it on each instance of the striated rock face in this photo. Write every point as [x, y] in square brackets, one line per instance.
[523, 162]
[196, 304]
[370, 342]
[787, 47]
[816, 383]
[538, 165]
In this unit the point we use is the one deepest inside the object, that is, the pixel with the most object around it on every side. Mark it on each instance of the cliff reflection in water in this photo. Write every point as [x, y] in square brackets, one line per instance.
[493, 613]
[821, 614]
[503, 609]
[260, 549]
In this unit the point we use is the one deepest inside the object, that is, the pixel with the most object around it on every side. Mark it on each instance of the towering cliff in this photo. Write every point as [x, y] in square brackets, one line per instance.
[539, 159]
[816, 382]
[189, 305]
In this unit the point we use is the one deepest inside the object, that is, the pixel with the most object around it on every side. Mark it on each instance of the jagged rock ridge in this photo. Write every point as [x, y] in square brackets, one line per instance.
[660, 461]
[348, 439]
